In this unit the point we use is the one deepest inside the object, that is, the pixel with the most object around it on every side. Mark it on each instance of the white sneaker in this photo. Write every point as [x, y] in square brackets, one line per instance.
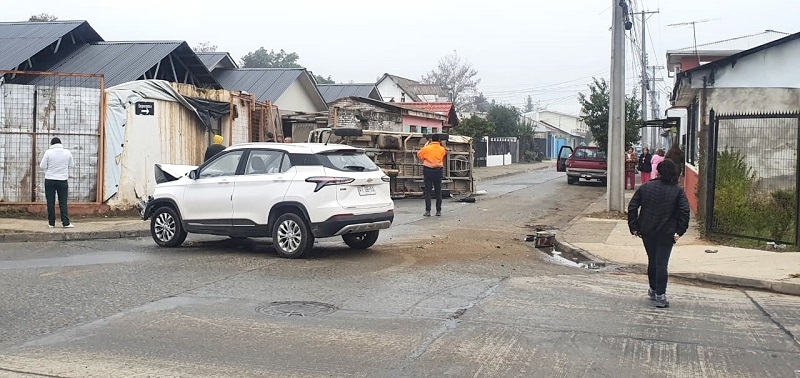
[51, 226]
[70, 226]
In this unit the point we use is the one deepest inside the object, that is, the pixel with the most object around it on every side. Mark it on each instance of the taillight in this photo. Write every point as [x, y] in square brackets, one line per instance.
[386, 179]
[323, 181]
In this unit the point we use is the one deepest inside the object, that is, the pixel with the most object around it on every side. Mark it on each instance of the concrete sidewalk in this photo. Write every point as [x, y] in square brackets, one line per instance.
[17, 230]
[608, 240]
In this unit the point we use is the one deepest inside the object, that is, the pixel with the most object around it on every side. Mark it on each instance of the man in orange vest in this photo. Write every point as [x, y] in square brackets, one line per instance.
[432, 156]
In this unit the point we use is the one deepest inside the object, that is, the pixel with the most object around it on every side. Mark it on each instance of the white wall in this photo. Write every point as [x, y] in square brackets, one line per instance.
[565, 122]
[775, 67]
[390, 91]
[296, 99]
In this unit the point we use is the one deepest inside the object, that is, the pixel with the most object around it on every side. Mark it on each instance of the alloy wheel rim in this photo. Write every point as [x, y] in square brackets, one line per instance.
[289, 235]
[165, 227]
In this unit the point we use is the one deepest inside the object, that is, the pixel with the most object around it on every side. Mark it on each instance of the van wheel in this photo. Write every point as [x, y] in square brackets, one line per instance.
[291, 236]
[166, 228]
[361, 240]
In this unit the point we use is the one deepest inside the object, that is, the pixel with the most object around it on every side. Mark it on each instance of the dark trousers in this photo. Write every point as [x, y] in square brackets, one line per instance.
[51, 188]
[658, 252]
[433, 180]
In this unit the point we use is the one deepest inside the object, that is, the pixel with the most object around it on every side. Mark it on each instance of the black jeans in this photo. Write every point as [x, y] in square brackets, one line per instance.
[433, 180]
[51, 187]
[658, 252]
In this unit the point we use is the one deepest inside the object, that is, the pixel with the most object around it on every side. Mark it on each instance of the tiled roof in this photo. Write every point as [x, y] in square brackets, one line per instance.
[19, 41]
[431, 107]
[443, 108]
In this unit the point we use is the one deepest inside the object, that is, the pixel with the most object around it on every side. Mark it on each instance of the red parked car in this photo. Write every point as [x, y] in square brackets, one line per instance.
[584, 162]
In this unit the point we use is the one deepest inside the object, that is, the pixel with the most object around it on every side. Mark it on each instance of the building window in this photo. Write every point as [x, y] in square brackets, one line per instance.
[424, 130]
[412, 129]
[434, 130]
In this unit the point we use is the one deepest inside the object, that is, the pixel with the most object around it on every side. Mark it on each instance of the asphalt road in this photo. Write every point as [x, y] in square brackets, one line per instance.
[459, 295]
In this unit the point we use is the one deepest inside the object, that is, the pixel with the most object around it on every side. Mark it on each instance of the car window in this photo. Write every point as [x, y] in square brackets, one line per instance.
[348, 160]
[590, 153]
[263, 162]
[223, 165]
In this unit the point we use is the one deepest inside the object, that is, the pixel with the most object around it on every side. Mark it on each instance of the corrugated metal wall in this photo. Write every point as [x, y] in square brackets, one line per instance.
[30, 116]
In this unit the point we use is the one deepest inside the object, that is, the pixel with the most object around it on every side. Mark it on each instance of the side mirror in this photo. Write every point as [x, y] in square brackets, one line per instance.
[193, 174]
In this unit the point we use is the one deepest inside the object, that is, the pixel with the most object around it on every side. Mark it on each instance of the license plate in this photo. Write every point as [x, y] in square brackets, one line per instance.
[366, 190]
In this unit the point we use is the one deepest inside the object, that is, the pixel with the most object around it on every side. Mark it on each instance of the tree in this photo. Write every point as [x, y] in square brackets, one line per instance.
[262, 58]
[456, 76]
[323, 80]
[506, 119]
[205, 47]
[481, 104]
[41, 17]
[595, 110]
[529, 104]
[475, 127]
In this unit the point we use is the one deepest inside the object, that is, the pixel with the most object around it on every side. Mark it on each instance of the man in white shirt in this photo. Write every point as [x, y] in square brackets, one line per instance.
[56, 162]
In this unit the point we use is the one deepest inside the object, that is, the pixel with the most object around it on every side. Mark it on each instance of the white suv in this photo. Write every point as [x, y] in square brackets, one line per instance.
[293, 193]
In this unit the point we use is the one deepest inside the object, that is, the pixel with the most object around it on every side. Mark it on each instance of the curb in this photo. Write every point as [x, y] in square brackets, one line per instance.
[752, 283]
[71, 236]
[511, 173]
[789, 288]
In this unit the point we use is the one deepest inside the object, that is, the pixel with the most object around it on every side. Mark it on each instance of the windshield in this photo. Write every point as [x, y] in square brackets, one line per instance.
[590, 154]
[349, 160]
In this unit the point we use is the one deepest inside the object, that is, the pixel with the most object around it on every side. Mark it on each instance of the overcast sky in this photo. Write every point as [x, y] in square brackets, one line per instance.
[548, 49]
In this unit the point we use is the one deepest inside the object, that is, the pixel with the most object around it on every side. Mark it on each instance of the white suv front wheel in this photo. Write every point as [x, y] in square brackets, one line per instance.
[291, 236]
[166, 228]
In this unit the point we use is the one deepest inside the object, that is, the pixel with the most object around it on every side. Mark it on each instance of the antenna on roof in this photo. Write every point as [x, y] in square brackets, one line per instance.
[694, 32]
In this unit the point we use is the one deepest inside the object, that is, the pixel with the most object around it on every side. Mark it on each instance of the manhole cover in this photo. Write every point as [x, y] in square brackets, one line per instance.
[296, 308]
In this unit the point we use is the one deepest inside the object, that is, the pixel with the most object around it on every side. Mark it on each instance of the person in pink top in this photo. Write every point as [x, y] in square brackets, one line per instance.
[657, 158]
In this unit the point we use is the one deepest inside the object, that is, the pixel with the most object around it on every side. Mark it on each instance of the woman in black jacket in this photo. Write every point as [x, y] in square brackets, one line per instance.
[645, 165]
[659, 214]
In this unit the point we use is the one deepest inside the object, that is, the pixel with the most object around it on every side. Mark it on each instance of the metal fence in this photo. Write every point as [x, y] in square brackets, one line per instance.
[67, 106]
[753, 177]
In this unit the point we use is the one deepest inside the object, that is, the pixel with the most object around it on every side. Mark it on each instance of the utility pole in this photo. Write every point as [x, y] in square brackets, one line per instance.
[657, 139]
[648, 134]
[620, 22]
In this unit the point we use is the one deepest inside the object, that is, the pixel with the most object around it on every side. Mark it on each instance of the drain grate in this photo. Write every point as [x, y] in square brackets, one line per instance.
[296, 308]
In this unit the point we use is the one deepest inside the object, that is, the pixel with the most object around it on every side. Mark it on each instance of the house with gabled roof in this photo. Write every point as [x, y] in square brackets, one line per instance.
[293, 90]
[443, 108]
[31, 46]
[214, 60]
[692, 56]
[122, 62]
[333, 92]
[394, 88]
[753, 87]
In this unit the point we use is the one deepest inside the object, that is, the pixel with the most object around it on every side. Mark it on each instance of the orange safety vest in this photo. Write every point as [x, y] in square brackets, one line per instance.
[432, 155]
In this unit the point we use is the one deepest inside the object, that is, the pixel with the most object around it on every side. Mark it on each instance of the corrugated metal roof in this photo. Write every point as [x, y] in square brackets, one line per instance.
[333, 92]
[212, 59]
[267, 84]
[121, 62]
[415, 89]
[20, 41]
